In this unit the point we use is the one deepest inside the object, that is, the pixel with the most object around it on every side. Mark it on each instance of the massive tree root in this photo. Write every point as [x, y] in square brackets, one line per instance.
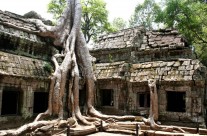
[153, 114]
[153, 99]
[64, 93]
[64, 88]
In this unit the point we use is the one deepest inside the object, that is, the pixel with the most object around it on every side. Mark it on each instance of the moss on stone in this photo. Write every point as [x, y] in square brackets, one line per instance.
[48, 67]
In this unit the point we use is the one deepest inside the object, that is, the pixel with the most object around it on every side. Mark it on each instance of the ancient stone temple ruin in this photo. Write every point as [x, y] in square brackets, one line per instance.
[24, 68]
[126, 60]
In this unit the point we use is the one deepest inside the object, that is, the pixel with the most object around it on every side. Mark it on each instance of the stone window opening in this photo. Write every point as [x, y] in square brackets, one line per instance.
[40, 102]
[107, 97]
[122, 73]
[157, 55]
[10, 102]
[143, 100]
[175, 53]
[176, 101]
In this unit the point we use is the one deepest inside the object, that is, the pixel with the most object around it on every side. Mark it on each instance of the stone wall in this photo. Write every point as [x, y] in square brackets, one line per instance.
[126, 101]
[26, 88]
[136, 45]
[135, 90]
[16, 44]
[193, 102]
[20, 66]
[112, 56]
[117, 46]
[160, 55]
[117, 86]
[24, 69]
[126, 60]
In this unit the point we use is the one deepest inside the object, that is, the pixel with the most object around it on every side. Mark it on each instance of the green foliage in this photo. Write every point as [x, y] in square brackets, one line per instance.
[56, 7]
[94, 16]
[189, 17]
[48, 67]
[201, 51]
[119, 24]
[145, 14]
[181, 14]
[110, 58]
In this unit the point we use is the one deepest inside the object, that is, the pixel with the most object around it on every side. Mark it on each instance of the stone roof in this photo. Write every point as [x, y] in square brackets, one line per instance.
[109, 70]
[14, 65]
[17, 34]
[121, 39]
[16, 21]
[165, 38]
[141, 39]
[20, 36]
[137, 55]
[16, 25]
[178, 70]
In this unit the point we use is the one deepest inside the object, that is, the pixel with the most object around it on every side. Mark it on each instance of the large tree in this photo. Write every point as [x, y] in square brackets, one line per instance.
[94, 16]
[56, 7]
[145, 14]
[119, 23]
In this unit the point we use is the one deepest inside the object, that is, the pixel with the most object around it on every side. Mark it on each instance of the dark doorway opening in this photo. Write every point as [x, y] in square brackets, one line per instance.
[82, 100]
[176, 101]
[82, 97]
[40, 102]
[107, 96]
[10, 102]
[143, 99]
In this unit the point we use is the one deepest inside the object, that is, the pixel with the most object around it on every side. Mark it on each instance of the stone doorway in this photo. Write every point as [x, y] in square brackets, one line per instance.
[107, 97]
[10, 102]
[143, 100]
[176, 101]
[40, 102]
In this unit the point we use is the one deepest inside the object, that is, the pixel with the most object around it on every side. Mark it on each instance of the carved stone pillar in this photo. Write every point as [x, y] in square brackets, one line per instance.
[28, 102]
[116, 97]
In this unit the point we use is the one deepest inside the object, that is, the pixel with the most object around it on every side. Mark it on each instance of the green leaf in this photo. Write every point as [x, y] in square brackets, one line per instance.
[94, 16]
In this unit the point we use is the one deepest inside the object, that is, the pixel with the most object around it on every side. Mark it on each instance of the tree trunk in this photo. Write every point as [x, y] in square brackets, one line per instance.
[153, 115]
[66, 36]
[76, 58]
[153, 99]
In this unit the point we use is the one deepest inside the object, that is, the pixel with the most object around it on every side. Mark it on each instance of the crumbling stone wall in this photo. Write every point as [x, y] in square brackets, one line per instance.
[24, 65]
[163, 55]
[19, 36]
[27, 87]
[117, 87]
[117, 46]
